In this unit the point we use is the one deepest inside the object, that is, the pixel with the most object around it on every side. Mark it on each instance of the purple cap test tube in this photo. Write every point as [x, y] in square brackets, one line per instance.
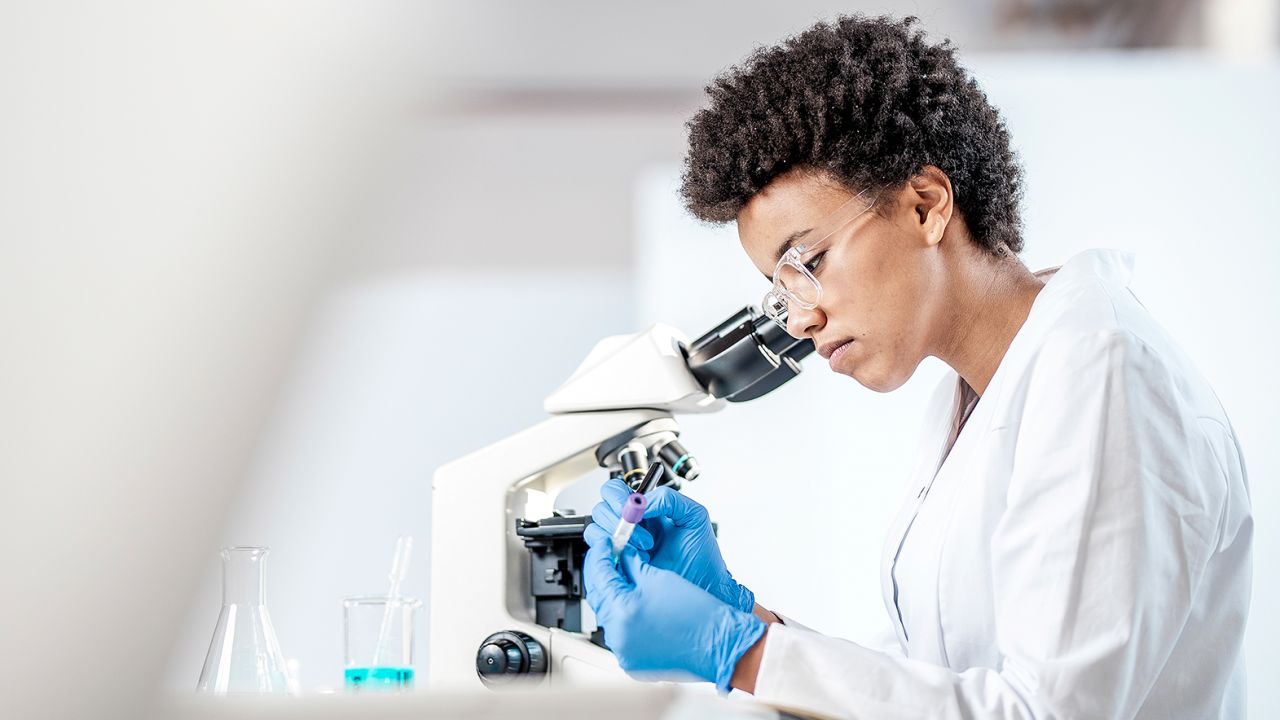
[632, 513]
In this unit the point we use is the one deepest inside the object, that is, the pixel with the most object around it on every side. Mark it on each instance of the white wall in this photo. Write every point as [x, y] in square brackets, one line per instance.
[1172, 159]
[175, 184]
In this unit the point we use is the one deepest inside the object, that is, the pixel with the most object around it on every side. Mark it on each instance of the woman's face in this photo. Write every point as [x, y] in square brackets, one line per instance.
[881, 273]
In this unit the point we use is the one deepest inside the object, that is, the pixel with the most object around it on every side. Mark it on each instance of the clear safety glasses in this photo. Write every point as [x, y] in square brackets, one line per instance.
[793, 282]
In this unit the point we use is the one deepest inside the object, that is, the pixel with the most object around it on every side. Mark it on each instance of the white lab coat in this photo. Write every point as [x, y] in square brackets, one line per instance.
[1082, 551]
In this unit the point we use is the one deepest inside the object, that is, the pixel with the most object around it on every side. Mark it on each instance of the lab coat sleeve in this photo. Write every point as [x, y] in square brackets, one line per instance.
[1108, 527]
[790, 622]
[886, 640]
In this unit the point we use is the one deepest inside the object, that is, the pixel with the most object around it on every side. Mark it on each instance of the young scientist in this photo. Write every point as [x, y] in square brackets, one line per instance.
[1075, 542]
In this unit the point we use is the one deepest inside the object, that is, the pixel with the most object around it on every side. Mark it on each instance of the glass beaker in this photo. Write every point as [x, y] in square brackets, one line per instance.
[244, 656]
[378, 643]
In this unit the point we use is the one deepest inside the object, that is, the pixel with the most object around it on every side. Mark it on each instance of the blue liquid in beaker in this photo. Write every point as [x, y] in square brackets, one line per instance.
[381, 678]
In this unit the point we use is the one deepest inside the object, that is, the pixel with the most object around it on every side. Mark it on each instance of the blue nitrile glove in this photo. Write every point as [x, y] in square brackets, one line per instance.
[659, 624]
[676, 535]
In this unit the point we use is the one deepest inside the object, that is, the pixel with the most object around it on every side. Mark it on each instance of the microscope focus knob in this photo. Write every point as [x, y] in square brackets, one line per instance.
[505, 656]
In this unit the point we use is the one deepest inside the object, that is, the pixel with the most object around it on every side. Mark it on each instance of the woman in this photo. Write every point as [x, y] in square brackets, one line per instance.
[1076, 540]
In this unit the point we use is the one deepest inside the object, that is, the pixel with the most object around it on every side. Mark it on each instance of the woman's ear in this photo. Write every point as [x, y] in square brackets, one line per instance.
[929, 198]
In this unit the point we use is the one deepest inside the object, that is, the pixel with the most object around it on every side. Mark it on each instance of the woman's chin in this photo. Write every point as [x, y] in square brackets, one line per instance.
[877, 379]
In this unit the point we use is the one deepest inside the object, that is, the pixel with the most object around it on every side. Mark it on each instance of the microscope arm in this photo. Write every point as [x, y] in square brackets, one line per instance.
[506, 568]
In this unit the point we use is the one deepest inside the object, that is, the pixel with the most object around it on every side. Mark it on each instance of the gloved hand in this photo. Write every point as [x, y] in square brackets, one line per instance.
[675, 535]
[658, 623]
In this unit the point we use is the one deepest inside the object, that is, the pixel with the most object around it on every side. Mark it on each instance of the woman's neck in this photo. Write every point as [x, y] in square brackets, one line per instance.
[989, 302]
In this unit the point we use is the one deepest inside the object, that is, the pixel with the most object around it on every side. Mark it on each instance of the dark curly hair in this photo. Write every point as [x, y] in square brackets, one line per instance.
[867, 101]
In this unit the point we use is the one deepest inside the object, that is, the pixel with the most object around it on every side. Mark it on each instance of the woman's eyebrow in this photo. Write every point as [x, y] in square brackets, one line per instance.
[786, 245]
[791, 240]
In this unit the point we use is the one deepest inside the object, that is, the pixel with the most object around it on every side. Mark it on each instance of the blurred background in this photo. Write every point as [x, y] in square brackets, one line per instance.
[265, 266]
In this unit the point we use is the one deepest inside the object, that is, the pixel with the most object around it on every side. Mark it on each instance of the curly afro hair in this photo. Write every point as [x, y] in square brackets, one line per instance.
[866, 101]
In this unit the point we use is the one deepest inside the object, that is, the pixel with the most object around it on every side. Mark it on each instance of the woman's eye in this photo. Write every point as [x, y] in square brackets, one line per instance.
[814, 262]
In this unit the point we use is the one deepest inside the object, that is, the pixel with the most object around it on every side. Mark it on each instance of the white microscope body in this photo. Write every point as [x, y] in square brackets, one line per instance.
[491, 621]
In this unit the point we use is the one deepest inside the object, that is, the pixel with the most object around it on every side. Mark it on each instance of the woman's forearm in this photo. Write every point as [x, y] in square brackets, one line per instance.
[765, 615]
[744, 673]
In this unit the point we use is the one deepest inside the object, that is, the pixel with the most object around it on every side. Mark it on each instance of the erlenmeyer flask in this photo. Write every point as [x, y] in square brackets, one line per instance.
[244, 656]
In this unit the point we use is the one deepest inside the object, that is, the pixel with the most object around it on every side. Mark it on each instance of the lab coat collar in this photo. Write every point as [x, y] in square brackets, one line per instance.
[1108, 267]
[1112, 266]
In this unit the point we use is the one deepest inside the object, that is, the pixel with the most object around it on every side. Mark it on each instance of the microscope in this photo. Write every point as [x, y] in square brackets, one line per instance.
[506, 567]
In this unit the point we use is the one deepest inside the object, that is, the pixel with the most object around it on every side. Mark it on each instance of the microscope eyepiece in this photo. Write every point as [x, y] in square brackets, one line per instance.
[746, 356]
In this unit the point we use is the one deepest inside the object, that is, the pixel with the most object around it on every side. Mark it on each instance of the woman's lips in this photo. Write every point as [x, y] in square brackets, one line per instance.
[838, 352]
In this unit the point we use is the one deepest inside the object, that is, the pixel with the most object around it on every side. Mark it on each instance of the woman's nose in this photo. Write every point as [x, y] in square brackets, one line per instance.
[801, 323]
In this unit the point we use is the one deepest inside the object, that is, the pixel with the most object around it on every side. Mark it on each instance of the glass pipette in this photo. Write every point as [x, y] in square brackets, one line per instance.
[399, 568]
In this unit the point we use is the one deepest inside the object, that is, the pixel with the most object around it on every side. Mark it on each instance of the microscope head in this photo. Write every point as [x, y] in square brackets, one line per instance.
[742, 358]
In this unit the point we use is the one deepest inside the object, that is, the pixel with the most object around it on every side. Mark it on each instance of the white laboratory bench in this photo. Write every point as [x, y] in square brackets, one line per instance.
[622, 702]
